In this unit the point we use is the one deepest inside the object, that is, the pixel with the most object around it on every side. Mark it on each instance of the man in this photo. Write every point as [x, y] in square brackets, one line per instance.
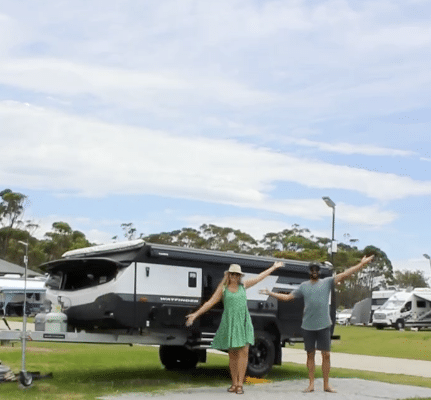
[316, 321]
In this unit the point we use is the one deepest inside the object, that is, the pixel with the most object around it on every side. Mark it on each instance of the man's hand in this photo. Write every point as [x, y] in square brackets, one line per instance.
[365, 260]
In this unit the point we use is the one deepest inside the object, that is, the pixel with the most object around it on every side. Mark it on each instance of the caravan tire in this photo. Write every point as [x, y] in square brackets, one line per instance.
[261, 355]
[399, 324]
[178, 357]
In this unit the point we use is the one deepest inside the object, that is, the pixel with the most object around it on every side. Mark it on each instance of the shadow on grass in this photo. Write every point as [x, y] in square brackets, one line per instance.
[144, 376]
[162, 378]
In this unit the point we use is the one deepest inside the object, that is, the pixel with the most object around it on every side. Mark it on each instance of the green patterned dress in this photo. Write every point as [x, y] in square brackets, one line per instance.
[236, 328]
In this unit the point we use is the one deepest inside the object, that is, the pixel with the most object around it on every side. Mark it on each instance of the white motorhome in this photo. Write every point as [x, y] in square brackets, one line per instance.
[12, 294]
[380, 297]
[405, 308]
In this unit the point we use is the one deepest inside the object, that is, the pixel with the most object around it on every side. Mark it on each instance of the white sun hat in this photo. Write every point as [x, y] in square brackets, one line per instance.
[235, 268]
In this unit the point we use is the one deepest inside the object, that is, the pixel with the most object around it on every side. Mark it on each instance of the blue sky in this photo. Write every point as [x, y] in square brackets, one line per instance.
[239, 113]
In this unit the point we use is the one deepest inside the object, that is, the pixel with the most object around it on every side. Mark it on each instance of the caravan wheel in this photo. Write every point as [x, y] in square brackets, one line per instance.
[178, 357]
[261, 355]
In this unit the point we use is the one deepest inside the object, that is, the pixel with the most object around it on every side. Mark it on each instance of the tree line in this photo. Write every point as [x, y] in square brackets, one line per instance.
[294, 243]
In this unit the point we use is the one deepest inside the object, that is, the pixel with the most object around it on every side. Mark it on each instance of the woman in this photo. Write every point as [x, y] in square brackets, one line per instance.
[235, 333]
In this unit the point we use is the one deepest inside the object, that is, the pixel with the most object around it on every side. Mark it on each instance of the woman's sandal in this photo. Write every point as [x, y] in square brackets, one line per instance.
[232, 389]
[239, 390]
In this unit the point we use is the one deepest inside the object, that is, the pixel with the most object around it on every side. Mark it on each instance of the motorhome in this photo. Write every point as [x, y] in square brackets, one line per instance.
[138, 292]
[405, 308]
[380, 297]
[12, 294]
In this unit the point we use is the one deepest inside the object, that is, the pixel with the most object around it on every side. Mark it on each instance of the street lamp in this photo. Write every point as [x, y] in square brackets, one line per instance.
[428, 258]
[24, 378]
[331, 204]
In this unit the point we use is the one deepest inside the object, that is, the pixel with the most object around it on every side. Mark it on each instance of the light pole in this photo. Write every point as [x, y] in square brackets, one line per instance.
[24, 378]
[331, 204]
[428, 258]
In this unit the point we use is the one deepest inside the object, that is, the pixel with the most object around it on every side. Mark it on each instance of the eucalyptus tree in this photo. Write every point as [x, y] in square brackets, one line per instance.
[11, 211]
[63, 238]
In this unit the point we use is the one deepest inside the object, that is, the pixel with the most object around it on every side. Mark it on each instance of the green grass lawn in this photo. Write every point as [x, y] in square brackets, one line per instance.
[87, 371]
[383, 343]
[386, 343]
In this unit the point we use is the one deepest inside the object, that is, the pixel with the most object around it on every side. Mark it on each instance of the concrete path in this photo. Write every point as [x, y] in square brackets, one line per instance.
[352, 389]
[387, 365]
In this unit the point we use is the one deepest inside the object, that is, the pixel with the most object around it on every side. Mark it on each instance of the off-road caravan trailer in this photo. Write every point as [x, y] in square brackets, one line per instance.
[138, 292]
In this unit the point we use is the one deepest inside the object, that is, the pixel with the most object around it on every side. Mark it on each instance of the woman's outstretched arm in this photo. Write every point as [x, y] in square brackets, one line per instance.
[215, 298]
[252, 281]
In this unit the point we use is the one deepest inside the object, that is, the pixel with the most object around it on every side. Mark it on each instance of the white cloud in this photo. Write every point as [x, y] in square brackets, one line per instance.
[46, 149]
[126, 87]
[348, 148]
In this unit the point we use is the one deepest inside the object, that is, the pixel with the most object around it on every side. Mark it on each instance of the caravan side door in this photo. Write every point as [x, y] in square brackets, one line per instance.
[172, 291]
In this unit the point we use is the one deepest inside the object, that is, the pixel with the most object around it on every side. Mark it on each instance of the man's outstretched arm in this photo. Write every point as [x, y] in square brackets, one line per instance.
[352, 270]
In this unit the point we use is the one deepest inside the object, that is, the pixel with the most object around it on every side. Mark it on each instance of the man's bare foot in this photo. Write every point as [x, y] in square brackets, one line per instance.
[330, 390]
[309, 389]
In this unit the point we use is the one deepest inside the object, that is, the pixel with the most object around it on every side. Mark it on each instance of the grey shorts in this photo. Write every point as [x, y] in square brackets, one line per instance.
[320, 340]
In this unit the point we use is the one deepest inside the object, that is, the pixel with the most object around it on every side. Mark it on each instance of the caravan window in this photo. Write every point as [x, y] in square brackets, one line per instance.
[421, 304]
[393, 304]
[193, 279]
[81, 274]
[378, 302]
[54, 281]
[89, 276]
[407, 307]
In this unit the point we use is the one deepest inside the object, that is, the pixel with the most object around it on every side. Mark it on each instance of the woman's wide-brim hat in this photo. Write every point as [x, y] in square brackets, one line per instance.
[235, 268]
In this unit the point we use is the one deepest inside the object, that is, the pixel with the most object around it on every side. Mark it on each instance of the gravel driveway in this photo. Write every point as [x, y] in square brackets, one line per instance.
[351, 389]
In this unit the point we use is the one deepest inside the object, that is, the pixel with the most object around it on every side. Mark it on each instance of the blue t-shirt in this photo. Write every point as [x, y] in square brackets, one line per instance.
[316, 303]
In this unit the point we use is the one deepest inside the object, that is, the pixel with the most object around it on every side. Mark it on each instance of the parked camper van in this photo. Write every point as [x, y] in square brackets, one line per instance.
[412, 308]
[12, 294]
[380, 297]
[143, 291]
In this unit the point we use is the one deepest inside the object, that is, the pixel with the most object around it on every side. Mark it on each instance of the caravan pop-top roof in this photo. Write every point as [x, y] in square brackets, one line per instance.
[126, 252]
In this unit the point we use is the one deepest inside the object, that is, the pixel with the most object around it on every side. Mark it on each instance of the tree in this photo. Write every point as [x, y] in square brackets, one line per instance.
[129, 230]
[405, 279]
[160, 238]
[62, 239]
[11, 210]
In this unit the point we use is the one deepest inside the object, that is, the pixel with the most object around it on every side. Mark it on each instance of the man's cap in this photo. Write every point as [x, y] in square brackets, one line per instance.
[314, 266]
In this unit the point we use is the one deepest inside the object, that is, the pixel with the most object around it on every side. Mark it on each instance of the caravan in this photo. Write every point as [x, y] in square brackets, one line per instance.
[12, 294]
[138, 292]
[405, 308]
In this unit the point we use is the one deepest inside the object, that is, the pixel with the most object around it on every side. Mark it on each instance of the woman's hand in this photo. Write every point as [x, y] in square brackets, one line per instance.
[278, 264]
[190, 319]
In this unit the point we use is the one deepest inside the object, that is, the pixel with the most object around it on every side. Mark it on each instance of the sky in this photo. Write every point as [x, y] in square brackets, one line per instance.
[239, 113]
